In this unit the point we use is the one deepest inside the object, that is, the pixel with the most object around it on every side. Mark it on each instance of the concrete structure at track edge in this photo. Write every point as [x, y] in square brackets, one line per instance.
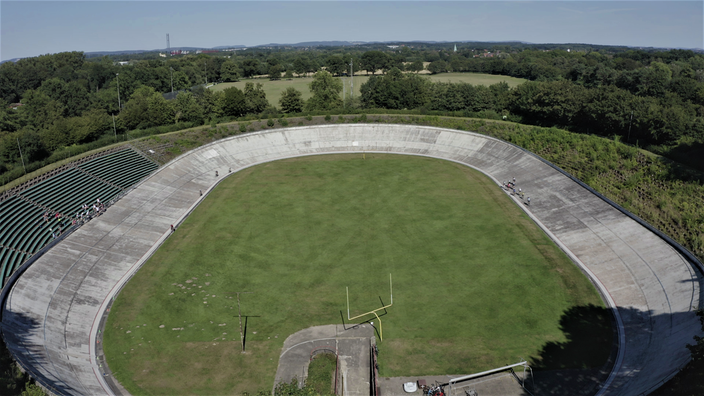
[651, 283]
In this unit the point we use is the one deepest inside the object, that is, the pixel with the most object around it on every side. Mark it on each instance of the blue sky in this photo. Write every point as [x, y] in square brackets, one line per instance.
[31, 28]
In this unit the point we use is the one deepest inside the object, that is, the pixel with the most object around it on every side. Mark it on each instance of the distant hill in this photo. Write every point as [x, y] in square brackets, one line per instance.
[93, 54]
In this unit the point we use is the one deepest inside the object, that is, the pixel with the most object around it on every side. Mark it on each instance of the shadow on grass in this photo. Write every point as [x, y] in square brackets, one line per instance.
[581, 363]
[590, 336]
[244, 332]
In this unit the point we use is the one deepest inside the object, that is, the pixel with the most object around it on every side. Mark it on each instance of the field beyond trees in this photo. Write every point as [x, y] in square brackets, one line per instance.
[476, 283]
[274, 88]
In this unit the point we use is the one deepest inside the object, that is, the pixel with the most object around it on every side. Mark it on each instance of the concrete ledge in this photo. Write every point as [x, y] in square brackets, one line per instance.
[52, 313]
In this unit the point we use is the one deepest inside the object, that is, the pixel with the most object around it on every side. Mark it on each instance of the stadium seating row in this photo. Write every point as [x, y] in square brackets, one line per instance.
[34, 217]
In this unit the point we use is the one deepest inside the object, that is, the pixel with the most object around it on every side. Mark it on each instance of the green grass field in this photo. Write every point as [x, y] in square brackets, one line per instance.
[273, 89]
[476, 284]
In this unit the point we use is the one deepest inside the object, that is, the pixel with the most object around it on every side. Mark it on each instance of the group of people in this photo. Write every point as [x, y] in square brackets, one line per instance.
[55, 230]
[510, 186]
[87, 212]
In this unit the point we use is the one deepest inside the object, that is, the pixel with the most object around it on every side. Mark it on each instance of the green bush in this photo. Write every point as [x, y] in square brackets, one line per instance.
[243, 128]
[270, 123]
[327, 117]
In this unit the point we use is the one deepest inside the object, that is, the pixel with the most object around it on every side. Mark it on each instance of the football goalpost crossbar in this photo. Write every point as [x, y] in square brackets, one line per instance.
[374, 312]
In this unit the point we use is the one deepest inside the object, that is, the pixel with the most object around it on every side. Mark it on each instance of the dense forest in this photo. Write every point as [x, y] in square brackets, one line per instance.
[53, 105]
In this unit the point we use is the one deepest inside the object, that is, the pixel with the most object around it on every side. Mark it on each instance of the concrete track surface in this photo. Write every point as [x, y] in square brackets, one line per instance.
[52, 314]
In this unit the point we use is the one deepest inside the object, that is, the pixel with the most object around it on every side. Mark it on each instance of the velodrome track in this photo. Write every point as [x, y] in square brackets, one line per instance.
[52, 314]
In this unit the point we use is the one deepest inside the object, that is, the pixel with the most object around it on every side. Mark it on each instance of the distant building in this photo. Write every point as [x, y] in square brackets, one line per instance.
[392, 46]
[455, 47]
[123, 63]
[162, 55]
[15, 106]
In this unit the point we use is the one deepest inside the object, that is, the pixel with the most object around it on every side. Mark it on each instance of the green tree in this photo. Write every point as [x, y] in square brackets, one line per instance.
[9, 119]
[40, 110]
[335, 65]
[275, 72]
[33, 148]
[234, 103]
[655, 79]
[416, 66]
[181, 80]
[439, 66]
[291, 101]
[58, 134]
[229, 71]
[187, 108]
[10, 87]
[32, 389]
[250, 67]
[255, 98]
[326, 92]
[373, 60]
[395, 90]
[72, 95]
[90, 126]
[301, 65]
[147, 108]
[211, 102]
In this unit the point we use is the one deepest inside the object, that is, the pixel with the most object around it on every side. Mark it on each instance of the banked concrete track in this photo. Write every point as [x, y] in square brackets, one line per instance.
[51, 315]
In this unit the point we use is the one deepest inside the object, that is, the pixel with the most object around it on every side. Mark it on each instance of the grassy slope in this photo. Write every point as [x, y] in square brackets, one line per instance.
[273, 89]
[476, 284]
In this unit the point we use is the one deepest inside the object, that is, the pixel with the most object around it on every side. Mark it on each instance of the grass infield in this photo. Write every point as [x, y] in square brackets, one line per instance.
[476, 284]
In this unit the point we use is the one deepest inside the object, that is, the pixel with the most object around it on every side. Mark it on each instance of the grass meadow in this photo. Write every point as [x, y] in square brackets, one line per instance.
[476, 284]
[273, 89]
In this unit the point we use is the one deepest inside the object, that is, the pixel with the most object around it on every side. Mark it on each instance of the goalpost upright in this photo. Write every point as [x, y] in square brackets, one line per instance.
[374, 312]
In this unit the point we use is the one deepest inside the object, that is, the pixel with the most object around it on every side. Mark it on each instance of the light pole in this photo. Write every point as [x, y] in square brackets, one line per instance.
[119, 107]
[172, 79]
[114, 128]
[351, 78]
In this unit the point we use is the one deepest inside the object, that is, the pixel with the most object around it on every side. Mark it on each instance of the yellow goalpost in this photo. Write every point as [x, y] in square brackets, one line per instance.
[374, 312]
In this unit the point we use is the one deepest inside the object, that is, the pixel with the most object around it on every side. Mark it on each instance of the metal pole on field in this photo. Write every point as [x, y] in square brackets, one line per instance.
[239, 312]
[21, 157]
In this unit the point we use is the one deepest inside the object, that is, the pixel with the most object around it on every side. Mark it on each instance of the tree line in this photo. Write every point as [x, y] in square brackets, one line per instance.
[67, 100]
